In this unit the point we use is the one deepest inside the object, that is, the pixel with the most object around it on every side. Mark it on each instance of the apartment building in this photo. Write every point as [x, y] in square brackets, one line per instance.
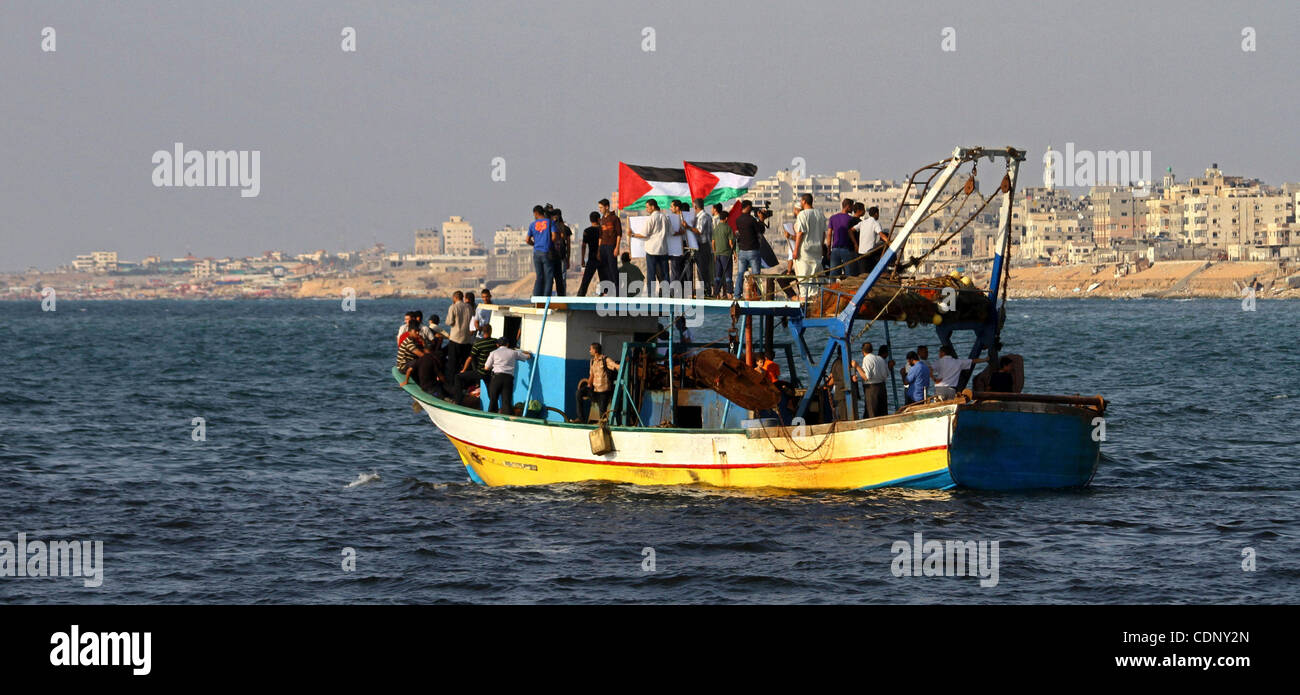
[1051, 235]
[458, 238]
[428, 242]
[1115, 214]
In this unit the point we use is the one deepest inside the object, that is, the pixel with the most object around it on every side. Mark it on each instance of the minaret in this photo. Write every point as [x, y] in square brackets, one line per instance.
[1049, 170]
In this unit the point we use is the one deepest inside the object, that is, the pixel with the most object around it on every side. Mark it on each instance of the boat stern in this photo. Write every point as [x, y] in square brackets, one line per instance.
[1021, 445]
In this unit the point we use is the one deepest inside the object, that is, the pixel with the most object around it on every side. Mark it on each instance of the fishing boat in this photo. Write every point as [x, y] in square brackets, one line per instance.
[687, 413]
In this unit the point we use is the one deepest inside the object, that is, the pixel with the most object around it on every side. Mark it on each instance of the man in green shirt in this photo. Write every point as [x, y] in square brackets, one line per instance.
[628, 273]
[724, 251]
[473, 370]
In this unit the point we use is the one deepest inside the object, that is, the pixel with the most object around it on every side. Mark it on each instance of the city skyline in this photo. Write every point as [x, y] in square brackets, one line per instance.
[366, 146]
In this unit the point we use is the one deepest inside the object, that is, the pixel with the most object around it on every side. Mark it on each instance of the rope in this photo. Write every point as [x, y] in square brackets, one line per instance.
[784, 433]
[880, 313]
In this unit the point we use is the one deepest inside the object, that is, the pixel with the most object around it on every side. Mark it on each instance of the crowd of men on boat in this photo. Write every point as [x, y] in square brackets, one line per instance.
[457, 359]
[707, 253]
[921, 377]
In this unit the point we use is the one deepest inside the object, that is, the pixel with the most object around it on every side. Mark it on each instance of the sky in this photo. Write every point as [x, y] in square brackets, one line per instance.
[367, 146]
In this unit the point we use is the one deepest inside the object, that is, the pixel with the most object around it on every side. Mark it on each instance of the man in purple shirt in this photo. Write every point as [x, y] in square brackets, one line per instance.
[844, 242]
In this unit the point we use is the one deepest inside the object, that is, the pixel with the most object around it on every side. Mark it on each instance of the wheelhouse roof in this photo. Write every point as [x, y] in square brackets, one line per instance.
[663, 304]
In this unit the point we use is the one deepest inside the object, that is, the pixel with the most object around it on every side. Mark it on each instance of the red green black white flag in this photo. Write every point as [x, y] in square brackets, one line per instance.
[638, 184]
[716, 182]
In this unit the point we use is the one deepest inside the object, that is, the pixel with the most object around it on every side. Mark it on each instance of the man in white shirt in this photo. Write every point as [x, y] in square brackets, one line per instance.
[870, 233]
[946, 372]
[501, 365]
[484, 314]
[703, 230]
[809, 238]
[677, 269]
[433, 329]
[656, 246]
[872, 373]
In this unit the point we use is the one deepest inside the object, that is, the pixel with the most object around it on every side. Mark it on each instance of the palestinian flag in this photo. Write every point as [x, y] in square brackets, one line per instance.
[719, 181]
[638, 184]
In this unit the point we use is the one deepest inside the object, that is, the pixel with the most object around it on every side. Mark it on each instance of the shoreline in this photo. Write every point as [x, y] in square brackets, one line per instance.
[1026, 294]
[1161, 280]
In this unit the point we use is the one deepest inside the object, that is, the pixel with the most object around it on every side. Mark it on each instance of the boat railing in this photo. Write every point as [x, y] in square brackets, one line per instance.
[629, 389]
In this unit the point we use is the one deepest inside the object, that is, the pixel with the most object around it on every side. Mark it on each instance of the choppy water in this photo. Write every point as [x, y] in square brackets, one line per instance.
[97, 401]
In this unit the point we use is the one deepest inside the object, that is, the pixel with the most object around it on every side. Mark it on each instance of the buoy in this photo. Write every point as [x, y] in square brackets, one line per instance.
[937, 319]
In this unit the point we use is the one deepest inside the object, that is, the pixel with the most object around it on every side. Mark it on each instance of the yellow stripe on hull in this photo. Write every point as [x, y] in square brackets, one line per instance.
[909, 450]
[494, 467]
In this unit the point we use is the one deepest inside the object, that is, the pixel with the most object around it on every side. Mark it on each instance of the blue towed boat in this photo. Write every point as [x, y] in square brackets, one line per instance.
[1025, 441]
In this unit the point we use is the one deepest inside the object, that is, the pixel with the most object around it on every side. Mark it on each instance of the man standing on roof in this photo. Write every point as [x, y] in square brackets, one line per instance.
[870, 233]
[843, 241]
[809, 238]
[723, 245]
[679, 268]
[703, 231]
[590, 253]
[562, 245]
[748, 251]
[656, 247]
[631, 281]
[541, 236]
[611, 238]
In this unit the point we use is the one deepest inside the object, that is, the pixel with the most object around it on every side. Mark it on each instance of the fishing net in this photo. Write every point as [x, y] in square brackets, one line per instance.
[914, 301]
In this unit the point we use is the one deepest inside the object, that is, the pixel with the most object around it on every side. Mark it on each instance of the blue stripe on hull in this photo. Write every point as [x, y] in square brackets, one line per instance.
[938, 480]
[1007, 449]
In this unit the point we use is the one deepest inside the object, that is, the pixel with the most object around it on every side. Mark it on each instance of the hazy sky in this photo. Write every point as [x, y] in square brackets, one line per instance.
[367, 146]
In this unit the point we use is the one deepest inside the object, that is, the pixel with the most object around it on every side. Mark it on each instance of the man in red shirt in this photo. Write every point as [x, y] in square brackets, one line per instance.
[611, 238]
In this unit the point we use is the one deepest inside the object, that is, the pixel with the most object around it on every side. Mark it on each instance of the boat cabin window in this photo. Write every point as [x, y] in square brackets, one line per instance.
[689, 416]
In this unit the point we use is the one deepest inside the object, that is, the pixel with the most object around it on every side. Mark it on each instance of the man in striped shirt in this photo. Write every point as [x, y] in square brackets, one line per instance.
[417, 358]
[474, 369]
[598, 378]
